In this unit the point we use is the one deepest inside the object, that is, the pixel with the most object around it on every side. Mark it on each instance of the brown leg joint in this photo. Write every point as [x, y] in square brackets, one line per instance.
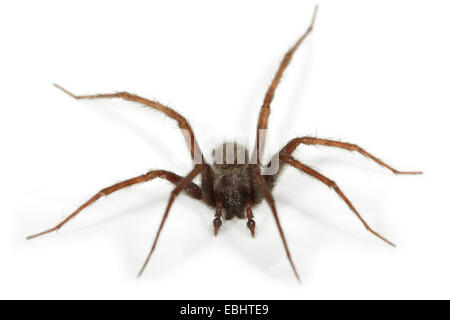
[250, 222]
[217, 220]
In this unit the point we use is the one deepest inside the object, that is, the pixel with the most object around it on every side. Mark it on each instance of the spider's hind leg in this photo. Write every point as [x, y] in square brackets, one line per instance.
[183, 124]
[263, 119]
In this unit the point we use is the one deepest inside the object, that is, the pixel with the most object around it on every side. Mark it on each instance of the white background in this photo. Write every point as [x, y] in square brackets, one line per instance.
[376, 73]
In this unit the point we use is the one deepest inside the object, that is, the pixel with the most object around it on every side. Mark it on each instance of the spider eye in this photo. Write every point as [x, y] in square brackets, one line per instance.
[235, 197]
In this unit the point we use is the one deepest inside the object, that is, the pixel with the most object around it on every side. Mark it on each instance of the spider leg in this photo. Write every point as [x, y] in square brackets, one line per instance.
[271, 202]
[191, 189]
[294, 143]
[185, 182]
[218, 218]
[186, 129]
[250, 222]
[270, 93]
[313, 173]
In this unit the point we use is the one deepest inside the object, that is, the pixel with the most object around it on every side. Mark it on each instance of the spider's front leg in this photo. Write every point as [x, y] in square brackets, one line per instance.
[185, 182]
[191, 189]
[313, 173]
[271, 202]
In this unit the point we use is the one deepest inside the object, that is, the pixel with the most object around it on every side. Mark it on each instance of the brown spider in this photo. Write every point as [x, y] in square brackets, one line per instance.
[233, 184]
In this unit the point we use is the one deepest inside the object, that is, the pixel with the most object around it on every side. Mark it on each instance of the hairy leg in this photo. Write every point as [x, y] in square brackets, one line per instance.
[271, 202]
[185, 182]
[294, 143]
[313, 173]
[265, 108]
[186, 129]
[191, 189]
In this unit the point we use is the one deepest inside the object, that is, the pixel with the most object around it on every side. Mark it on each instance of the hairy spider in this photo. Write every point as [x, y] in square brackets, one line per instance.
[234, 183]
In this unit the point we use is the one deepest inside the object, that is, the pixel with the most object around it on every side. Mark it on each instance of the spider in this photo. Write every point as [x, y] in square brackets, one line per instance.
[230, 186]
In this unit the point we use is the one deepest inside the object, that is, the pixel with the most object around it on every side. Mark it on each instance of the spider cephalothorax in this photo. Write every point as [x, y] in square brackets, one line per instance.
[233, 184]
